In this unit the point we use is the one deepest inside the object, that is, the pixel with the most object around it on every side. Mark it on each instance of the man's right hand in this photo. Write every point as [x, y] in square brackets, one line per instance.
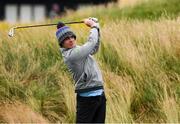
[89, 22]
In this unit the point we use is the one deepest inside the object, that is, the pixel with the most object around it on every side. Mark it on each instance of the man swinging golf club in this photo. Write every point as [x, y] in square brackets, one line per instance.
[91, 100]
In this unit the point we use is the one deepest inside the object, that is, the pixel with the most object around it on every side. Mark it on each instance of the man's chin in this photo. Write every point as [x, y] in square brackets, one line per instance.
[72, 46]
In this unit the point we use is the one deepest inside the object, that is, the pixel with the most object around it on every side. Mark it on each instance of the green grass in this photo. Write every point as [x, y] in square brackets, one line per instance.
[153, 10]
[149, 10]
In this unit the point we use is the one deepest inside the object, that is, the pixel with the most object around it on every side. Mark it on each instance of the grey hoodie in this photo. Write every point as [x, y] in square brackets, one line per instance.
[82, 65]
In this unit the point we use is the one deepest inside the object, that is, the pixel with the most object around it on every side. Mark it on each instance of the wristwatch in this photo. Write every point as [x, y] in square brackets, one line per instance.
[95, 27]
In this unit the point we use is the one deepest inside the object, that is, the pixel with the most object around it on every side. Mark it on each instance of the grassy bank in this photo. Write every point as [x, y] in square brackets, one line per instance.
[144, 10]
[141, 71]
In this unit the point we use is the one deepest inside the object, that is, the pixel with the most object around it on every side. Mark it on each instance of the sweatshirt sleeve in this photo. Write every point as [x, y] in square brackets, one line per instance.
[87, 48]
[96, 48]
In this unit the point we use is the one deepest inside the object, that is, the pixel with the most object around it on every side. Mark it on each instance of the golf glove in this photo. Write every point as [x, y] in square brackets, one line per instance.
[93, 19]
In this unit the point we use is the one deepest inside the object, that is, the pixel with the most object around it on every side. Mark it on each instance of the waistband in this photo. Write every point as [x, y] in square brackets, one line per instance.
[88, 89]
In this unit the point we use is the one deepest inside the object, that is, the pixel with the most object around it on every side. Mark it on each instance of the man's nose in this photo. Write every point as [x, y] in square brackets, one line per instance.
[70, 40]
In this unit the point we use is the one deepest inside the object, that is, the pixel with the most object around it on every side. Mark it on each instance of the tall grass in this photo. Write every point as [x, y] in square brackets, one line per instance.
[148, 52]
[29, 74]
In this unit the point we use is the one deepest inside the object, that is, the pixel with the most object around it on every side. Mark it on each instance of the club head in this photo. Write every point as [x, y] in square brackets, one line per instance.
[11, 32]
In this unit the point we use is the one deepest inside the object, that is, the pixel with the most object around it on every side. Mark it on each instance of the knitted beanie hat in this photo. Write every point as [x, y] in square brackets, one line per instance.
[63, 32]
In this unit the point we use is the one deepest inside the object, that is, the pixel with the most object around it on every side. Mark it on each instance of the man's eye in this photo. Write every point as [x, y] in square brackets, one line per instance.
[66, 38]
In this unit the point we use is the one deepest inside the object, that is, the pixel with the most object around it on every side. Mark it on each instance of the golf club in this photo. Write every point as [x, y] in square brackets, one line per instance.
[12, 30]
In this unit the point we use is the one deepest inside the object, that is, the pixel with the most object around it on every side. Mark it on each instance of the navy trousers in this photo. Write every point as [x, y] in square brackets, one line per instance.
[91, 109]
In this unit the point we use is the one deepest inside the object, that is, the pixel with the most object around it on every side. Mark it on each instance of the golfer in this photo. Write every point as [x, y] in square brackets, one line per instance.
[91, 100]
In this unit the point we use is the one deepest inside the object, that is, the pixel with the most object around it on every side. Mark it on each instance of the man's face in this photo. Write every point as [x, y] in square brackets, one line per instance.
[69, 42]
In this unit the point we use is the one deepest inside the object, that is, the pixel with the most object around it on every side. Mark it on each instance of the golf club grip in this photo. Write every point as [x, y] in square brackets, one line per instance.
[29, 26]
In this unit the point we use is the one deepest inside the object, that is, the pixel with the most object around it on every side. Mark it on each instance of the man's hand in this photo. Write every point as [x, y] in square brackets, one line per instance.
[90, 22]
[94, 19]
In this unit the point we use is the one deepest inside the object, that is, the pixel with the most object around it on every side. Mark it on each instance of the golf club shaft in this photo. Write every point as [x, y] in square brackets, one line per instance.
[29, 26]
